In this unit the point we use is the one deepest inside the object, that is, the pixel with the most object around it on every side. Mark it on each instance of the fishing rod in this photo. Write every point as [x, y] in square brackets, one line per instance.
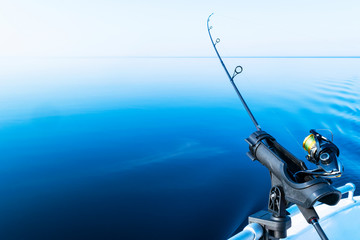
[291, 180]
[237, 71]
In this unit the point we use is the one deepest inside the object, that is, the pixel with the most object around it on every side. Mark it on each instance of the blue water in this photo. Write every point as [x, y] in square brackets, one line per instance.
[153, 148]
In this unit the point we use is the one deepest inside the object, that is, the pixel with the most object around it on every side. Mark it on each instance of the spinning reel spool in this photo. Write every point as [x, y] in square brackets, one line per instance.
[322, 152]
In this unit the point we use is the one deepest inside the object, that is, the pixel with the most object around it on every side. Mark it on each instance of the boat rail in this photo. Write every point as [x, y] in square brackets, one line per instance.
[348, 188]
[254, 231]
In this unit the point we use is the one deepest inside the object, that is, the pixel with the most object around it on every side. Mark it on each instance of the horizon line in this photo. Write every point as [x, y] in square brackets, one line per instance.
[179, 56]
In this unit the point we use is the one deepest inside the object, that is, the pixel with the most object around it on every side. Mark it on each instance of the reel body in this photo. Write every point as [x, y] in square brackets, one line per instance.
[322, 152]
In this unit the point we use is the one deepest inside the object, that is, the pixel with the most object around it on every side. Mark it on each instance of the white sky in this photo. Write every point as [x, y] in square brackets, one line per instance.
[178, 28]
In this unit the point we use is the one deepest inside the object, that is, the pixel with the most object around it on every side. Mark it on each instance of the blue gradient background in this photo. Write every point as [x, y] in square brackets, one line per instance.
[117, 123]
[177, 28]
[154, 148]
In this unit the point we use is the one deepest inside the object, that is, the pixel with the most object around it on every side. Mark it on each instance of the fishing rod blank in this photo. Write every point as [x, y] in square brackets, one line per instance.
[291, 180]
[237, 70]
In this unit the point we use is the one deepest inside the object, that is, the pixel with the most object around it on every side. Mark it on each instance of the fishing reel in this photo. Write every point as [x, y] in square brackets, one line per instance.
[322, 152]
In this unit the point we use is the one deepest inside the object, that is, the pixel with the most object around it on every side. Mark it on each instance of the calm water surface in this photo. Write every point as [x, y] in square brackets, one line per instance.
[154, 148]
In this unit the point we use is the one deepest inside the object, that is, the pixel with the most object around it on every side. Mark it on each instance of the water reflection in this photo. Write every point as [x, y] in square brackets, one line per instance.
[135, 148]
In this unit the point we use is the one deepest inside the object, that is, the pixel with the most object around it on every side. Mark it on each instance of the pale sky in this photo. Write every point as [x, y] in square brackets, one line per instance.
[178, 28]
